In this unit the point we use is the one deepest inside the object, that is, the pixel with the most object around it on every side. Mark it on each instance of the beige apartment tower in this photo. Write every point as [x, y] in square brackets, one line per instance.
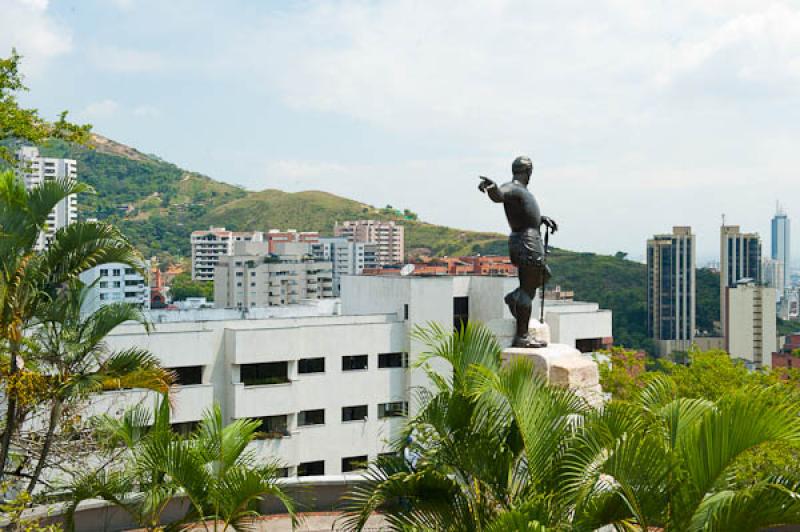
[243, 280]
[389, 237]
[208, 246]
[750, 326]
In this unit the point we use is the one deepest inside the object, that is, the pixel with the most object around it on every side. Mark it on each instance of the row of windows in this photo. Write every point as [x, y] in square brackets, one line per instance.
[115, 272]
[317, 468]
[278, 372]
[278, 426]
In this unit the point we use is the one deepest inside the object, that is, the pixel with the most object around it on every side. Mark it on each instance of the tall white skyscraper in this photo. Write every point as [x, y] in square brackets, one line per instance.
[36, 170]
[781, 245]
[671, 290]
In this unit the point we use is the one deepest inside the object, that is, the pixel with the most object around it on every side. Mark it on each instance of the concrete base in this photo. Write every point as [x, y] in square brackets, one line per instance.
[564, 366]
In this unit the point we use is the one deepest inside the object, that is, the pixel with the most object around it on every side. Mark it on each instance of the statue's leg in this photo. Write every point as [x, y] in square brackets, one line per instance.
[511, 301]
[528, 280]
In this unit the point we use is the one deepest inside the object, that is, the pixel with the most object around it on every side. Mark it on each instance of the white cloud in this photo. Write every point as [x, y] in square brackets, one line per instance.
[126, 60]
[760, 46]
[663, 112]
[632, 109]
[100, 109]
[27, 26]
[123, 5]
[146, 111]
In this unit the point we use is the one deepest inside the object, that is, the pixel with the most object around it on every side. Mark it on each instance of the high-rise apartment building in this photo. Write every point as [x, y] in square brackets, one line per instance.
[115, 282]
[750, 324]
[388, 236]
[245, 280]
[36, 170]
[782, 246]
[209, 246]
[346, 256]
[671, 290]
[740, 260]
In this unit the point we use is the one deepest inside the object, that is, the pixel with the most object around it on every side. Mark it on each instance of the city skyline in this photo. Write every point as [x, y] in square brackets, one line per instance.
[696, 118]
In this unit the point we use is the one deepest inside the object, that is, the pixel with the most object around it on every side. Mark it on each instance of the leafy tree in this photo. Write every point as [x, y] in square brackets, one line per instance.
[183, 286]
[30, 280]
[78, 363]
[212, 468]
[17, 123]
[624, 374]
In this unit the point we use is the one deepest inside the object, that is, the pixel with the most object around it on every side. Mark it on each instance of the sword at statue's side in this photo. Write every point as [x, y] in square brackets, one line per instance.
[547, 231]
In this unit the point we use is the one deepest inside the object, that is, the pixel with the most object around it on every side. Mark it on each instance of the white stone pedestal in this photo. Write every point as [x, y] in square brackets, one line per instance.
[565, 366]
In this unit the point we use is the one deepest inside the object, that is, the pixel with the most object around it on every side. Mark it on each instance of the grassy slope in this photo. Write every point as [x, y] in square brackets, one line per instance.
[169, 202]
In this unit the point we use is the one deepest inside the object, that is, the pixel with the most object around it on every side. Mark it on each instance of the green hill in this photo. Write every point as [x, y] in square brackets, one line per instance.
[158, 205]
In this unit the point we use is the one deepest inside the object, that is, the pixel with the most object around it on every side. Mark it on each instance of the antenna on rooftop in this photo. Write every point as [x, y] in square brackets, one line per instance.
[723, 219]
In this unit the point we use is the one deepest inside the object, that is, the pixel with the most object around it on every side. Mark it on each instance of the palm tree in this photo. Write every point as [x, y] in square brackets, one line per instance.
[495, 448]
[484, 447]
[666, 461]
[73, 353]
[29, 278]
[212, 468]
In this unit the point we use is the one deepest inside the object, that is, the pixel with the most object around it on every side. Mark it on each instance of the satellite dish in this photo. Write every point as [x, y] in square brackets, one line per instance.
[408, 269]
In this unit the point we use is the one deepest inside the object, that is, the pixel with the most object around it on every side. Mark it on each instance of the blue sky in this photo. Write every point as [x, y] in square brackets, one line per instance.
[638, 115]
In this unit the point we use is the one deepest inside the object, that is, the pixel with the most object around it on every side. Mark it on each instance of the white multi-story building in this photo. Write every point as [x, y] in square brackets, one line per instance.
[750, 327]
[36, 170]
[330, 389]
[208, 246]
[346, 256]
[389, 237]
[772, 274]
[246, 280]
[115, 282]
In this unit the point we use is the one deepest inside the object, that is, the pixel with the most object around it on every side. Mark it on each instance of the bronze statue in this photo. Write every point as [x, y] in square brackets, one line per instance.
[525, 244]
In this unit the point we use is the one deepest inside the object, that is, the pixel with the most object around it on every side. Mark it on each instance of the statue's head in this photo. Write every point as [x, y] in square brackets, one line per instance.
[522, 168]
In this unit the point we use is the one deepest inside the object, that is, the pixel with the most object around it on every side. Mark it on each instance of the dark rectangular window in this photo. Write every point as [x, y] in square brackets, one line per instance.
[405, 311]
[311, 417]
[283, 472]
[460, 312]
[354, 413]
[309, 469]
[265, 373]
[396, 409]
[184, 429]
[188, 375]
[354, 362]
[311, 365]
[393, 360]
[273, 427]
[354, 463]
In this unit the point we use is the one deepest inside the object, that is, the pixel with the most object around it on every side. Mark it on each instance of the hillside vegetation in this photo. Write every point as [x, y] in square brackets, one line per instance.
[158, 205]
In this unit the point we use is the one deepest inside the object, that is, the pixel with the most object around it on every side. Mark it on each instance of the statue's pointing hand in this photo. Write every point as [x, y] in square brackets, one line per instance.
[486, 183]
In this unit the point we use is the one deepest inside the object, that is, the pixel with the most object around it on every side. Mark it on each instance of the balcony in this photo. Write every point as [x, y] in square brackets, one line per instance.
[189, 402]
[262, 400]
